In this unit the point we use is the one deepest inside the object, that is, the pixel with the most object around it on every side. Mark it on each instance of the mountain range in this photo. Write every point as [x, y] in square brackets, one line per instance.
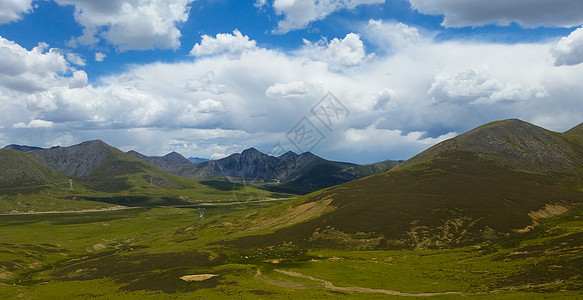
[95, 160]
[487, 185]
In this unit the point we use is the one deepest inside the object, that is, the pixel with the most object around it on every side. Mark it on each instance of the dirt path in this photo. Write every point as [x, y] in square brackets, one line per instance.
[69, 211]
[206, 204]
[330, 286]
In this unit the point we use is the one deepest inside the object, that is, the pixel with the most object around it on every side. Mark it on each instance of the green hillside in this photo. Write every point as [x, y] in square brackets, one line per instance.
[575, 135]
[18, 170]
[464, 191]
[104, 176]
[515, 144]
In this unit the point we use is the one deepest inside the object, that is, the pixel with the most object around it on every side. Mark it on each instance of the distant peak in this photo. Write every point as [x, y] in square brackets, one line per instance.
[94, 142]
[288, 154]
[250, 151]
[173, 153]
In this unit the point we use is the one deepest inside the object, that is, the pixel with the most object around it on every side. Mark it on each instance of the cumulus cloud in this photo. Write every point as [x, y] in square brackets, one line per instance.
[130, 24]
[29, 71]
[347, 52]
[232, 44]
[34, 124]
[291, 89]
[299, 13]
[210, 106]
[527, 13]
[390, 107]
[569, 50]
[12, 10]
[476, 87]
[391, 35]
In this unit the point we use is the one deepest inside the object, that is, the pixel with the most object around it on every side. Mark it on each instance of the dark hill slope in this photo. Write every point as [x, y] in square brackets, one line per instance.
[21, 148]
[449, 198]
[513, 143]
[78, 160]
[19, 170]
[174, 163]
[292, 170]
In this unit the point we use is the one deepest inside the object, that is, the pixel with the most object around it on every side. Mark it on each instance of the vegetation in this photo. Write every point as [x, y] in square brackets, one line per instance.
[454, 223]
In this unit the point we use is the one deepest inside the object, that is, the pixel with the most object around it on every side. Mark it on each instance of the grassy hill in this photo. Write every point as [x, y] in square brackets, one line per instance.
[515, 144]
[479, 187]
[104, 174]
[18, 169]
[575, 135]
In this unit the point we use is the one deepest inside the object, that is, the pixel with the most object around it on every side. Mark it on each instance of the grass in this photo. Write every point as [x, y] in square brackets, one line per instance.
[141, 253]
[302, 248]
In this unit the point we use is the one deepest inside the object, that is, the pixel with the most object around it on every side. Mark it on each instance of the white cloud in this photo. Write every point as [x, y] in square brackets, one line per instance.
[569, 50]
[78, 80]
[232, 44]
[477, 87]
[299, 13]
[34, 124]
[29, 71]
[12, 10]
[347, 52]
[399, 144]
[99, 56]
[291, 89]
[387, 96]
[260, 3]
[74, 58]
[391, 35]
[210, 106]
[527, 13]
[130, 24]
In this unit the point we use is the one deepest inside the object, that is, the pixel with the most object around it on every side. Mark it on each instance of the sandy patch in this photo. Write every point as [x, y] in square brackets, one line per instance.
[199, 277]
[294, 215]
[550, 210]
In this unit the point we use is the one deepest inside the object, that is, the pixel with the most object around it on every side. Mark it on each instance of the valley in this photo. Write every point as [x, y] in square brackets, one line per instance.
[495, 212]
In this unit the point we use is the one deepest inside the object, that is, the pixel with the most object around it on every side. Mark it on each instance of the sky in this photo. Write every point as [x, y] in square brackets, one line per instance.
[349, 80]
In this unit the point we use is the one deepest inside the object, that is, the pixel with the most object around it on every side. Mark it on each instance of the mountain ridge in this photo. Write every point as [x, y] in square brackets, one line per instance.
[457, 193]
[513, 143]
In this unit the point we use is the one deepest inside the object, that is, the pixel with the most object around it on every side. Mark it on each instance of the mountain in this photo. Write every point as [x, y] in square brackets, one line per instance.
[515, 144]
[18, 169]
[173, 163]
[290, 169]
[21, 148]
[196, 160]
[481, 187]
[104, 167]
[75, 161]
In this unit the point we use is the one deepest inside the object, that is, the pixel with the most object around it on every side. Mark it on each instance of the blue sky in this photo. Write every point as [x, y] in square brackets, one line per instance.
[212, 77]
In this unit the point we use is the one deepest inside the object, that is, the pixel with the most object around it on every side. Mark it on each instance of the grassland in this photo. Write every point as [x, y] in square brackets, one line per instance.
[141, 253]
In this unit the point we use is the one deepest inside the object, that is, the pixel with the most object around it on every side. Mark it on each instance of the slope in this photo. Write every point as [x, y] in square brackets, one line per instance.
[575, 135]
[19, 170]
[445, 197]
[174, 163]
[515, 144]
[105, 174]
[292, 172]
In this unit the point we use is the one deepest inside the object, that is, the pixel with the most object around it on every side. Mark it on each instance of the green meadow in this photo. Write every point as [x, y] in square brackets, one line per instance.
[141, 253]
